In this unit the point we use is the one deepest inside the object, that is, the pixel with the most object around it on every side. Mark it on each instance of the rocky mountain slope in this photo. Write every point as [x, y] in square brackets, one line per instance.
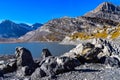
[108, 32]
[57, 29]
[106, 14]
[9, 29]
[106, 10]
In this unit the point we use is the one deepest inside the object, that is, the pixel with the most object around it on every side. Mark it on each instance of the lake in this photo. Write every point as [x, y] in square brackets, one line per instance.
[35, 48]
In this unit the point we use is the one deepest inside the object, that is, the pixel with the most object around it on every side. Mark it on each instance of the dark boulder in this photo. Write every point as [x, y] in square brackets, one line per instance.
[45, 53]
[112, 61]
[1, 74]
[88, 45]
[38, 74]
[92, 55]
[49, 65]
[102, 60]
[82, 59]
[9, 66]
[67, 63]
[24, 61]
[25, 71]
[55, 65]
[24, 57]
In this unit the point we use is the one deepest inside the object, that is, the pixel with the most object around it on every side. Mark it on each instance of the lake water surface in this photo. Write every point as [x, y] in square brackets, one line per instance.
[35, 48]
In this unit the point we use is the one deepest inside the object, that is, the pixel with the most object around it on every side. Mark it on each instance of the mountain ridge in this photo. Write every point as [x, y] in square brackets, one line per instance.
[10, 29]
[106, 10]
[57, 29]
[106, 14]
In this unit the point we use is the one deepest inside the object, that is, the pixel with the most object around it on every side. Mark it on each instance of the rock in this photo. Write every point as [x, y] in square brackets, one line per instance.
[99, 46]
[70, 54]
[12, 60]
[92, 54]
[84, 50]
[38, 74]
[96, 41]
[55, 65]
[25, 63]
[8, 67]
[6, 57]
[88, 45]
[49, 65]
[80, 50]
[106, 10]
[74, 52]
[102, 48]
[1, 74]
[67, 63]
[105, 51]
[106, 45]
[93, 51]
[46, 53]
[2, 62]
[112, 61]
[24, 71]
[27, 79]
[24, 57]
[11, 67]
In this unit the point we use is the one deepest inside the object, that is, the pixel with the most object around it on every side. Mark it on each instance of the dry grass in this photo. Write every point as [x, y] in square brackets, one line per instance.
[115, 34]
[100, 33]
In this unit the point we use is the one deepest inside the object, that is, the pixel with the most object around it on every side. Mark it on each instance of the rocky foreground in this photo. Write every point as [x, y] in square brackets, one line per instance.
[96, 60]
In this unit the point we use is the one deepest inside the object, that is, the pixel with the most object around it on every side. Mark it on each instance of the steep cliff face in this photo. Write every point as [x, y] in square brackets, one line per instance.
[106, 10]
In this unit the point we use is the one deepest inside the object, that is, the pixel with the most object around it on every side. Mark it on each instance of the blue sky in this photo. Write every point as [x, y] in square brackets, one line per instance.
[31, 11]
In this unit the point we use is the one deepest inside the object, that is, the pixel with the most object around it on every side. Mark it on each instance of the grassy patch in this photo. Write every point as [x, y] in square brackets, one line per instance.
[113, 32]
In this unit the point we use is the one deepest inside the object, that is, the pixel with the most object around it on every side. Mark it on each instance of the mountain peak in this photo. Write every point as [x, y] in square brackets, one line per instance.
[107, 7]
[6, 21]
[10, 29]
[106, 10]
[106, 3]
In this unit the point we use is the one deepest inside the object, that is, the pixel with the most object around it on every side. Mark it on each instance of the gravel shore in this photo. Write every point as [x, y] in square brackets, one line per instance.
[88, 71]
[85, 71]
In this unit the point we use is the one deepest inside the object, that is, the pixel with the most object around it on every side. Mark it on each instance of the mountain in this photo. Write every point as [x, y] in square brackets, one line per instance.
[106, 10]
[57, 29]
[28, 27]
[9, 29]
[106, 14]
[36, 25]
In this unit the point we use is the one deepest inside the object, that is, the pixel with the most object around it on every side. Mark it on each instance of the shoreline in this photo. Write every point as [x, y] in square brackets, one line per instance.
[29, 42]
[88, 61]
[88, 71]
